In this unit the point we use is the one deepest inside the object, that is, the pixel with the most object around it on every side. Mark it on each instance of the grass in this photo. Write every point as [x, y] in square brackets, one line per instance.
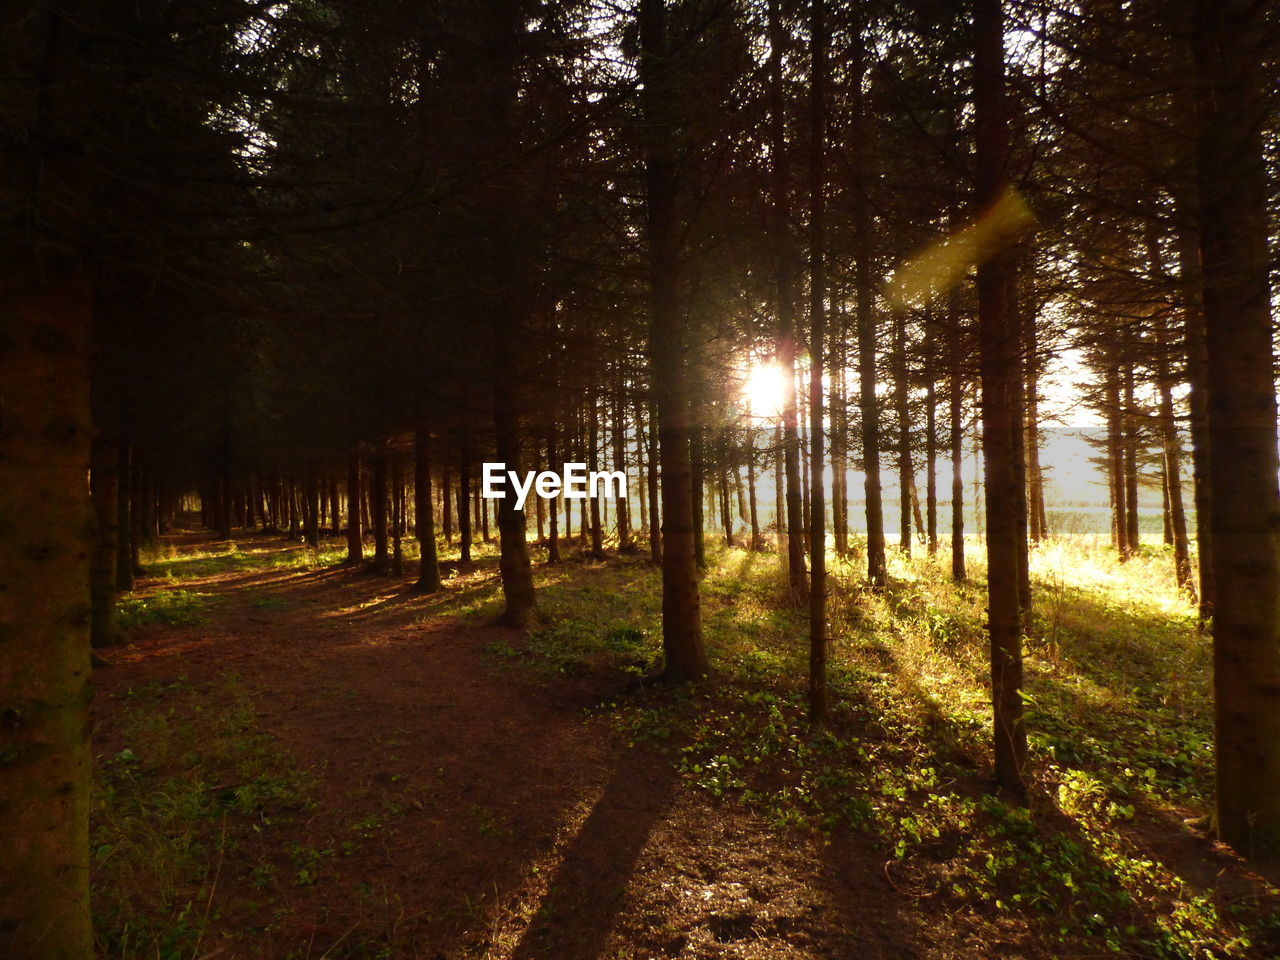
[173, 607]
[173, 564]
[192, 790]
[1100, 862]
[1118, 682]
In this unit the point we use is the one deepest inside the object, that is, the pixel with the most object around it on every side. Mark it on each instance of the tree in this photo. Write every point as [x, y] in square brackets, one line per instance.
[1243, 464]
[682, 645]
[998, 345]
[46, 297]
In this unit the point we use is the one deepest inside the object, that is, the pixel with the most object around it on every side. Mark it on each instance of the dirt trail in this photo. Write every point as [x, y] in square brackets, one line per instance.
[506, 821]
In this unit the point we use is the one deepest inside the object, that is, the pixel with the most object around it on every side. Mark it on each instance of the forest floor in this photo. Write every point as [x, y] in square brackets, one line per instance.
[298, 759]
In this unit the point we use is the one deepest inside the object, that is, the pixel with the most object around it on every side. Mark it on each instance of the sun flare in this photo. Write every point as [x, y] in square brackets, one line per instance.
[763, 389]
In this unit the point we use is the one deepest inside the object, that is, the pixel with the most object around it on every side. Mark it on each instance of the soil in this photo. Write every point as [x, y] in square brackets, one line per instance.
[513, 822]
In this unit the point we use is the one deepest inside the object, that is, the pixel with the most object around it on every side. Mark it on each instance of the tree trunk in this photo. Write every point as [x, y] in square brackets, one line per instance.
[1198, 407]
[424, 513]
[998, 345]
[464, 496]
[780, 228]
[1173, 483]
[957, 477]
[553, 541]
[697, 474]
[1115, 460]
[313, 509]
[931, 464]
[45, 546]
[817, 345]
[380, 496]
[355, 536]
[124, 519]
[906, 472]
[655, 508]
[104, 484]
[593, 464]
[513, 555]
[683, 651]
[620, 463]
[397, 516]
[864, 305]
[752, 500]
[1245, 520]
[1133, 534]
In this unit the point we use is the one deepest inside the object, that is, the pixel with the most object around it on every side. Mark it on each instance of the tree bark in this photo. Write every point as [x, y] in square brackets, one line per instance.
[817, 346]
[1233, 221]
[424, 513]
[998, 344]
[104, 484]
[380, 496]
[45, 545]
[683, 651]
[1198, 408]
[464, 496]
[655, 507]
[780, 227]
[355, 535]
[864, 306]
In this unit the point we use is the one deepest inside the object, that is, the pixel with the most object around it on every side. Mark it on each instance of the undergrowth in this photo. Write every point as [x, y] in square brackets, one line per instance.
[182, 802]
[1106, 858]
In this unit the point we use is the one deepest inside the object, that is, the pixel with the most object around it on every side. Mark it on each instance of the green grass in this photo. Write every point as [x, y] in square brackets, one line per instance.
[175, 565]
[187, 795]
[176, 608]
[1118, 683]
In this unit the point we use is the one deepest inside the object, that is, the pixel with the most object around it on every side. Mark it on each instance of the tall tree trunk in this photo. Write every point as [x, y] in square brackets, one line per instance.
[424, 513]
[1115, 460]
[817, 346]
[513, 558]
[998, 345]
[956, 425]
[124, 518]
[756, 542]
[313, 509]
[931, 464]
[553, 541]
[464, 496]
[683, 651]
[446, 494]
[1242, 424]
[355, 534]
[397, 515]
[906, 472]
[697, 473]
[1035, 473]
[104, 484]
[780, 228]
[1172, 450]
[840, 439]
[620, 463]
[655, 508]
[1198, 406]
[380, 496]
[45, 546]
[864, 306]
[593, 464]
[1133, 535]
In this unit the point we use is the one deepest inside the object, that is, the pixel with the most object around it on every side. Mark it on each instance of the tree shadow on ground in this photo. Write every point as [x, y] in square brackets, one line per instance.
[590, 885]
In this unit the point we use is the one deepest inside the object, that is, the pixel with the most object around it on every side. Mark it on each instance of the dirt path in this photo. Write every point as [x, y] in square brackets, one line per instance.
[498, 817]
